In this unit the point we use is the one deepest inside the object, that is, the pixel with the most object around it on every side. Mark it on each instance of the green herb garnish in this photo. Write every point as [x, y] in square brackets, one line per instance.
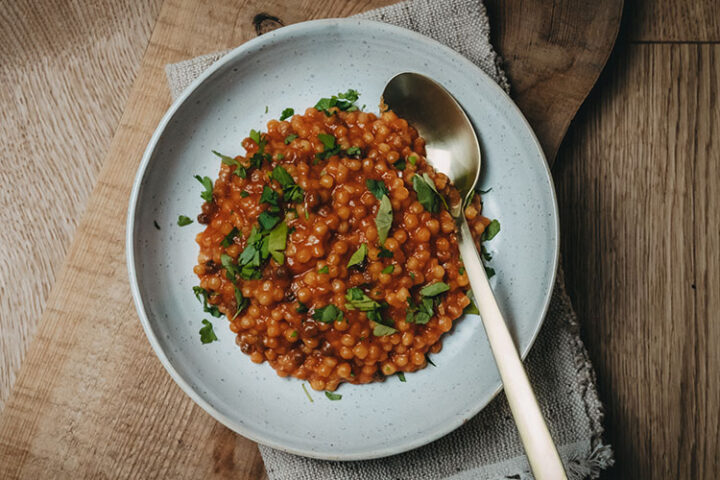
[207, 335]
[434, 289]
[412, 159]
[290, 138]
[302, 308]
[307, 393]
[230, 237]
[332, 396]
[239, 168]
[353, 152]
[385, 253]
[400, 164]
[490, 231]
[401, 376]
[489, 271]
[389, 269]
[203, 295]
[427, 193]
[357, 300]
[231, 270]
[277, 240]
[241, 301]
[244, 194]
[287, 113]
[183, 220]
[381, 330]
[384, 219]
[267, 220]
[343, 101]
[206, 182]
[377, 188]
[291, 190]
[269, 196]
[359, 256]
[324, 269]
[328, 314]
[331, 148]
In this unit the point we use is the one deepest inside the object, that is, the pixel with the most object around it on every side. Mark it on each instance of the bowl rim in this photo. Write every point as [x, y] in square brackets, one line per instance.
[231, 56]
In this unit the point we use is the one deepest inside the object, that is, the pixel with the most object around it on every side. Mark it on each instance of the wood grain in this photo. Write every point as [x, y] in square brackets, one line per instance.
[673, 21]
[554, 52]
[66, 71]
[638, 190]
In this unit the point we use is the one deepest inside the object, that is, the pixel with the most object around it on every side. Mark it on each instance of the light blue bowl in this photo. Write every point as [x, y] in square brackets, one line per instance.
[293, 67]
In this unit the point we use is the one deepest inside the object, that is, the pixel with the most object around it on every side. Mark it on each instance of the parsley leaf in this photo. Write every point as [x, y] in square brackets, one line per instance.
[267, 220]
[207, 182]
[331, 148]
[343, 101]
[277, 239]
[290, 138]
[332, 396]
[287, 113]
[485, 254]
[328, 314]
[389, 269]
[490, 231]
[269, 196]
[489, 271]
[420, 313]
[241, 301]
[353, 152]
[230, 237]
[231, 270]
[207, 335]
[239, 168]
[307, 393]
[427, 193]
[400, 164]
[359, 256]
[384, 219]
[357, 300]
[377, 188]
[324, 269]
[471, 308]
[301, 308]
[291, 190]
[401, 376]
[202, 295]
[434, 289]
[255, 136]
[385, 253]
[412, 159]
[381, 330]
[183, 220]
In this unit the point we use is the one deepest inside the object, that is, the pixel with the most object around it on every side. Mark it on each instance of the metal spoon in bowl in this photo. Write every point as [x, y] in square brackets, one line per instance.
[453, 149]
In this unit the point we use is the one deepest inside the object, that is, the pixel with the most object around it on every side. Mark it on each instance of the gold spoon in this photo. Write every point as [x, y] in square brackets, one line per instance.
[453, 149]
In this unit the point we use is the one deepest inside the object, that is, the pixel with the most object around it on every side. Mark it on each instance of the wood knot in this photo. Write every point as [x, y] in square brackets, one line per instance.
[264, 23]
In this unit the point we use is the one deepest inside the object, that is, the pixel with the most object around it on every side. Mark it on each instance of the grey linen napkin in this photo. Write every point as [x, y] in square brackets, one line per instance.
[488, 446]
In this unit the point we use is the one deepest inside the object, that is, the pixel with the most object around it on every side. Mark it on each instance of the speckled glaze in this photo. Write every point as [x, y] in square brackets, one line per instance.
[293, 67]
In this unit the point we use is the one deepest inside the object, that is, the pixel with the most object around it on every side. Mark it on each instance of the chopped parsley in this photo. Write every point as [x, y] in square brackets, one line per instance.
[302, 308]
[239, 168]
[343, 101]
[328, 314]
[385, 253]
[471, 308]
[389, 269]
[357, 300]
[258, 157]
[242, 302]
[420, 313]
[427, 193]
[427, 357]
[230, 237]
[307, 393]
[183, 220]
[358, 257]
[489, 271]
[207, 335]
[377, 188]
[353, 152]
[412, 159]
[269, 196]
[384, 219]
[490, 231]
[331, 148]
[290, 138]
[401, 376]
[287, 113]
[267, 220]
[434, 289]
[461, 270]
[291, 190]
[294, 334]
[485, 254]
[400, 164]
[202, 295]
[231, 270]
[206, 182]
[277, 240]
[324, 269]
[381, 330]
[244, 194]
[332, 396]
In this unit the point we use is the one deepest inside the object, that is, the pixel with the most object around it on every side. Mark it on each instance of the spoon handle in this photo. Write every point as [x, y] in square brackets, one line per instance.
[539, 446]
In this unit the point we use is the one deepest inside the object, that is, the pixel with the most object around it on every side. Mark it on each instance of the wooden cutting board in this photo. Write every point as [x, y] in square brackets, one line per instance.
[91, 399]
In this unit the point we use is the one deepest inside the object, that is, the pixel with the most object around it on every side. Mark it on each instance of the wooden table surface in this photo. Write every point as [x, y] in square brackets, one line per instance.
[638, 180]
